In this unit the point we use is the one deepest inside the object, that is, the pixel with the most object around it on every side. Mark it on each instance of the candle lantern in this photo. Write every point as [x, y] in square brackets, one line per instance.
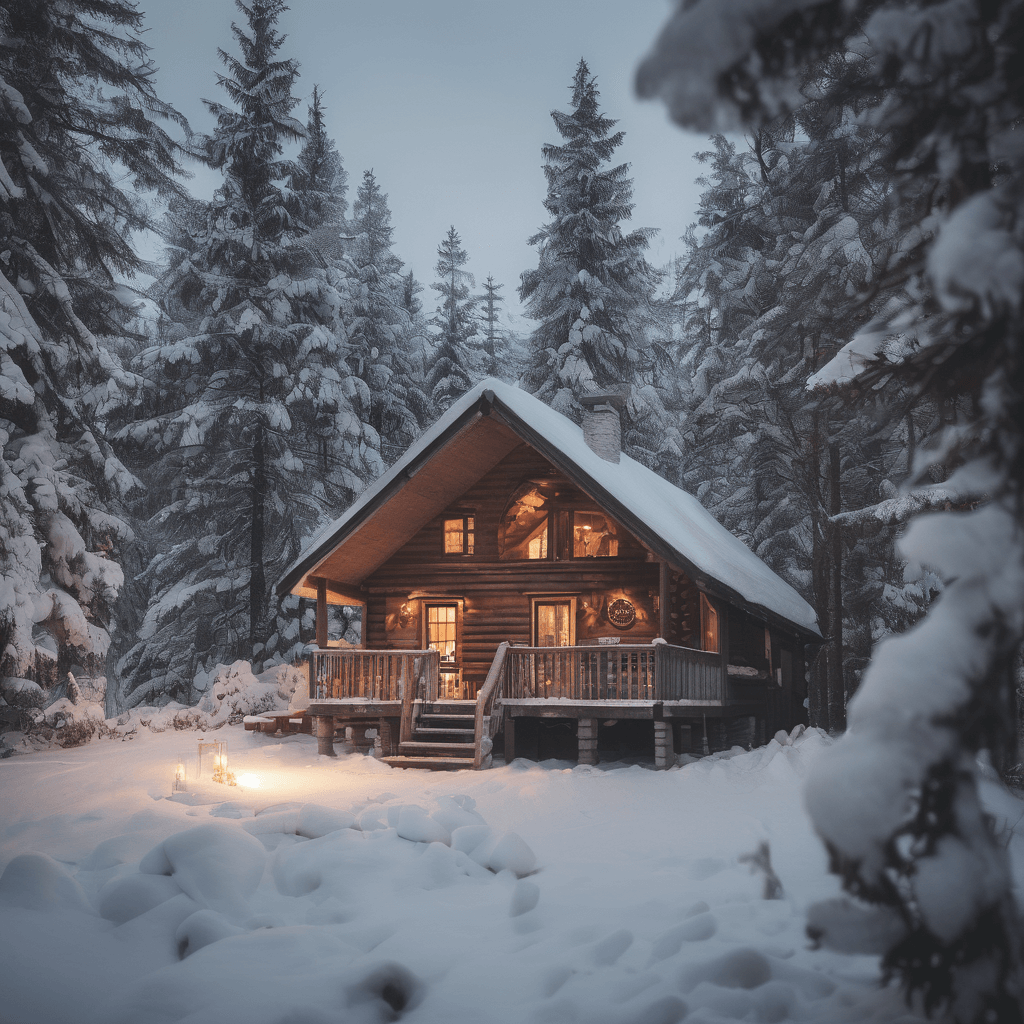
[213, 762]
[180, 784]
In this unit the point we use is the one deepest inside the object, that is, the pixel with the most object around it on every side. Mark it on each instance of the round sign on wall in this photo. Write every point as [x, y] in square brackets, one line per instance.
[621, 613]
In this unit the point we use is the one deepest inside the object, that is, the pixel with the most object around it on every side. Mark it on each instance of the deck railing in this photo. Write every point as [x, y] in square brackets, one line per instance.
[686, 674]
[618, 672]
[337, 674]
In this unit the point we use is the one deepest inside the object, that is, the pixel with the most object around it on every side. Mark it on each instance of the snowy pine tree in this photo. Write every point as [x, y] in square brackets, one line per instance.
[491, 332]
[382, 328]
[320, 176]
[592, 289]
[257, 426]
[452, 365]
[78, 116]
[896, 801]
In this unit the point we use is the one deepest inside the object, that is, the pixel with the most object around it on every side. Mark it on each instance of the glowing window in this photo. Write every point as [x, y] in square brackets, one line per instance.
[537, 545]
[708, 626]
[459, 535]
[441, 630]
[553, 624]
[593, 536]
[524, 528]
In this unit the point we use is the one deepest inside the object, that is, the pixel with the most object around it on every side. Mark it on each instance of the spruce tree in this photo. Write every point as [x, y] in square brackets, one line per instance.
[896, 800]
[451, 368]
[257, 428]
[320, 175]
[382, 329]
[491, 333]
[78, 126]
[592, 289]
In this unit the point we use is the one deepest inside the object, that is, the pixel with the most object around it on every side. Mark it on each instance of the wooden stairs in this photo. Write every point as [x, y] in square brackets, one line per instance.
[442, 737]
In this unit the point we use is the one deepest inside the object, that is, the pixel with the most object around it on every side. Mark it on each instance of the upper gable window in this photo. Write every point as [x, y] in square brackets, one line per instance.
[459, 535]
[523, 534]
[543, 521]
[594, 536]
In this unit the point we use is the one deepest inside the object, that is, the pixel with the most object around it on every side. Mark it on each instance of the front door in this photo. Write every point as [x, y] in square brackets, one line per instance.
[552, 623]
[442, 636]
[553, 626]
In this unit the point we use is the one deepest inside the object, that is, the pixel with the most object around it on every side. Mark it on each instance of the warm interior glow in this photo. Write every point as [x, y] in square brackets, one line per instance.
[249, 781]
[708, 625]
[441, 626]
[594, 536]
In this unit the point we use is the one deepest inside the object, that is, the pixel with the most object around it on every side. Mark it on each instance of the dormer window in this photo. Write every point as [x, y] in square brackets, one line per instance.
[594, 536]
[523, 534]
[459, 535]
[544, 521]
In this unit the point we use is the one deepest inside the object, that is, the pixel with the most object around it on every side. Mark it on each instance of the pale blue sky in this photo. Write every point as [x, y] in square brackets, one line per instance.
[449, 102]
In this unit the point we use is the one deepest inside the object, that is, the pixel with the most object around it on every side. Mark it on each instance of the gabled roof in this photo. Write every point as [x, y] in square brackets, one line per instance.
[472, 437]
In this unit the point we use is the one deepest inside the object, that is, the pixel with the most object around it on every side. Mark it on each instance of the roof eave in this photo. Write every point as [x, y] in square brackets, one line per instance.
[391, 484]
[639, 528]
[485, 405]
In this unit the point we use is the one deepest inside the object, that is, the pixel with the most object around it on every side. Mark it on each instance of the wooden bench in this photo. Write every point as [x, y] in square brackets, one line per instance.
[285, 722]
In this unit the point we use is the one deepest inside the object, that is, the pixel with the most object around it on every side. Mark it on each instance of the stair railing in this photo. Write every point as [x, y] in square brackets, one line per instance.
[426, 666]
[488, 708]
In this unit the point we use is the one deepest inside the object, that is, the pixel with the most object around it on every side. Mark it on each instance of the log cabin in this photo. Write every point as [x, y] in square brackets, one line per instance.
[525, 582]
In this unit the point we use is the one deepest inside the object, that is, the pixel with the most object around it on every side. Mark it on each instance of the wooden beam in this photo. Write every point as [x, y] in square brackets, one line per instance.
[349, 595]
[321, 613]
[664, 620]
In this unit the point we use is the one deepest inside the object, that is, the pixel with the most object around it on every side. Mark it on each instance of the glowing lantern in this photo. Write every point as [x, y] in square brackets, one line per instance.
[180, 777]
[213, 756]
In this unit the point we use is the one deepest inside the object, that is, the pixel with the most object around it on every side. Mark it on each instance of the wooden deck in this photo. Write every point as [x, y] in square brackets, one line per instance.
[398, 693]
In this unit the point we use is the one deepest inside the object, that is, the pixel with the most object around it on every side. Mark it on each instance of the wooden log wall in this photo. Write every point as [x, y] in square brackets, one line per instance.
[495, 594]
[684, 611]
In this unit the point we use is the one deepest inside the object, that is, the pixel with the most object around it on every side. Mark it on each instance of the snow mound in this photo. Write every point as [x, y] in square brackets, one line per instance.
[214, 864]
[124, 899]
[506, 852]
[35, 881]
[316, 820]
[414, 824]
[201, 929]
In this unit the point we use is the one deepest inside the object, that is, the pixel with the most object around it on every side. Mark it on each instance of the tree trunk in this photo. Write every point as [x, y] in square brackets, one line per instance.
[257, 575]
[836, 683]
[819, 705]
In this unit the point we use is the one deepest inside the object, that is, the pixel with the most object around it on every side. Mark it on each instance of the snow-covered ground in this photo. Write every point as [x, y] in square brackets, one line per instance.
[618, 897]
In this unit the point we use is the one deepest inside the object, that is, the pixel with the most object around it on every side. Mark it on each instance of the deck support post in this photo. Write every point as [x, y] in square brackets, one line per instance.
[664, 753]
[324, 729]
[386, 736]
[510, 738]
[586, 736]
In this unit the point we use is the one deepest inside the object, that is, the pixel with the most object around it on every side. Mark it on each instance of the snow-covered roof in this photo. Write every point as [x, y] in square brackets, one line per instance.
[667, 518]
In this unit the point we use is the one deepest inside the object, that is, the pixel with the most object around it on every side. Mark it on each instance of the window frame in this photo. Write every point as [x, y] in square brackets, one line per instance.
[468, 534]
[709, 613]
[571, 533]
[456, 663]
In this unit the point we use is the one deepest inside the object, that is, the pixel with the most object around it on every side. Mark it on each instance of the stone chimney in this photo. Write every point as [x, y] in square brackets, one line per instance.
[602, 428]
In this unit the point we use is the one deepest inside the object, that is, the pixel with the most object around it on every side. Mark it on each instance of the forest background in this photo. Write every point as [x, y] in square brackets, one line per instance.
[201, 414]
